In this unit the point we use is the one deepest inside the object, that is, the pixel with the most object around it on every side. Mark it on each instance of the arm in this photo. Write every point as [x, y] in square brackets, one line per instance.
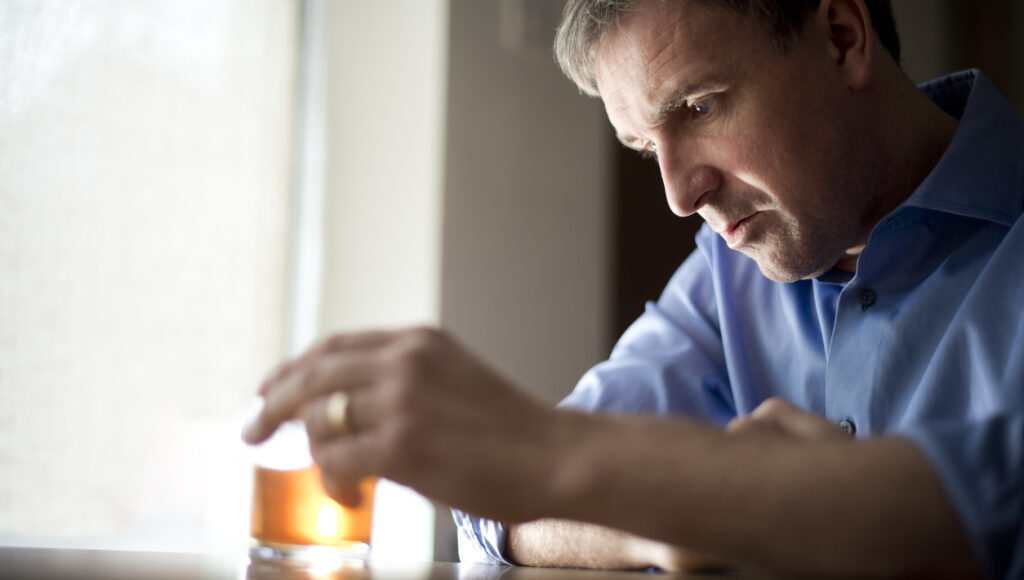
[564, 543]
[768, 500]
[427, 414]
[569, 544]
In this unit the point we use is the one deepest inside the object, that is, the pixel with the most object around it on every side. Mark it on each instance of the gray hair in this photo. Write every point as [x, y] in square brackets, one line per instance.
[584, 22]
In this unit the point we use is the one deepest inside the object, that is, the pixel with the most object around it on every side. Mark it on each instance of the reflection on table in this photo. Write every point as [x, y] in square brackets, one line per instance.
[51, 564]
[439, 571]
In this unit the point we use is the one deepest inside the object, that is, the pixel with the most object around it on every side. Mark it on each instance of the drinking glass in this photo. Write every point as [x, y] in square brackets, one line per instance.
[294, 521]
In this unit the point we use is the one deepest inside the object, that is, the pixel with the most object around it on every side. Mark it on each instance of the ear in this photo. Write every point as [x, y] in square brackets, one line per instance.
[850, 39]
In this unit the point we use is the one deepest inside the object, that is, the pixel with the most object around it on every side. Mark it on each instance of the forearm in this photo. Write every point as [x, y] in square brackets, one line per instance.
[771, 497]
[867, 507]
[569, 544]
[566, 544]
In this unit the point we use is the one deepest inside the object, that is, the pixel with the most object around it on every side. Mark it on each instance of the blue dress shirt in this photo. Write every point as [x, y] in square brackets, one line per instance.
[926, 340]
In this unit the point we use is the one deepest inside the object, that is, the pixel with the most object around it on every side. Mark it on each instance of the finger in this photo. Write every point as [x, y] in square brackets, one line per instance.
[348, 495]
[276, 409]
[748, 424]
[737, 425]
[362, 413]
[333, 344]
[340, 371]
[274, 376]
[794, 421]
[344, 463]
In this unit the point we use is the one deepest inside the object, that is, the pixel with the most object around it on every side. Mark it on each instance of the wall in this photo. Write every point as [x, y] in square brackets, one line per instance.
[525, 277]
[386, 82]
[386, 78]
[466, 186]
[926, 37]
[942, 36]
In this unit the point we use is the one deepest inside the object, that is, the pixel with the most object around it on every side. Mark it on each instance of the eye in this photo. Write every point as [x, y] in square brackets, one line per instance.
[703, 107]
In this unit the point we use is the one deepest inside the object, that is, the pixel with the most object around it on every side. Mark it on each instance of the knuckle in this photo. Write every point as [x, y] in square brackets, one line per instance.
[425, 338]
[425, 333]
[411, 359]
[773, 406]
[738, 425]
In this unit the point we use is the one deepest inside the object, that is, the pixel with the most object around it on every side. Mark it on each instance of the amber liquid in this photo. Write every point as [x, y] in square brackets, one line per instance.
[290, 508]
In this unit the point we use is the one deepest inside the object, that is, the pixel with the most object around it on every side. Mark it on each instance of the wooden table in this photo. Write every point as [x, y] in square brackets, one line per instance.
[53, 564]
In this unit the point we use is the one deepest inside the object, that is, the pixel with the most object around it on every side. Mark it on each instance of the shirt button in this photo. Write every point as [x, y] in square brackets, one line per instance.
[866, 298]
[848, 427]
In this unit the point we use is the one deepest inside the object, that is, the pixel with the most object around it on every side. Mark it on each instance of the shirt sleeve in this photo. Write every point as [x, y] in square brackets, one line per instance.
[481, 541]
[669, 361]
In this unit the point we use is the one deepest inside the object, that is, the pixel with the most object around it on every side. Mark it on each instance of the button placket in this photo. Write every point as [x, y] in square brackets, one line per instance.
[845, 364]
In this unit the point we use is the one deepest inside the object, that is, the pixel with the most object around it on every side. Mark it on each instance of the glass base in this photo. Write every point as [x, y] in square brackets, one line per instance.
[346, 554]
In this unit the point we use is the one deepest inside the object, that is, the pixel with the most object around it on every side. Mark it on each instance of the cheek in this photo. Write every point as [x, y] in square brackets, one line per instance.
[792, 163]
[757, 163]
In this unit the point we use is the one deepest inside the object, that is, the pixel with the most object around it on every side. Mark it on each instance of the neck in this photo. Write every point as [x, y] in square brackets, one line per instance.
[924, 134]
[912, 134]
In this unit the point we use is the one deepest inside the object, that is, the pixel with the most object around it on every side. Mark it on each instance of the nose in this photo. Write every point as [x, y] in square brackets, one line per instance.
[688, 182]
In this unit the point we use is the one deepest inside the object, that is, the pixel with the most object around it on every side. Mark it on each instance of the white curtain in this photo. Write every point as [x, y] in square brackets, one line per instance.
[145, 175]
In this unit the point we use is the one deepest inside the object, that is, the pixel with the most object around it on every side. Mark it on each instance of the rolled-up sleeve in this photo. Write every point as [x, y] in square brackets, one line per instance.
[481, 541]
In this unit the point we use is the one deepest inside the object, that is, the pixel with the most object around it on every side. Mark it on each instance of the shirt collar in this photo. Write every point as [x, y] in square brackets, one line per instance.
[981, 174]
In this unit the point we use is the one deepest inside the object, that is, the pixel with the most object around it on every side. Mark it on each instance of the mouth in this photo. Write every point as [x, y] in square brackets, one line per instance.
[736, 233]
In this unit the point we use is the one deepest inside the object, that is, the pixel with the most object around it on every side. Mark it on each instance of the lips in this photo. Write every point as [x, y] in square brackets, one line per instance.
[736, 233]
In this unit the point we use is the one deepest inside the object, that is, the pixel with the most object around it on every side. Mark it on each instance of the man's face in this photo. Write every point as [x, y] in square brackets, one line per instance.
[760, 144]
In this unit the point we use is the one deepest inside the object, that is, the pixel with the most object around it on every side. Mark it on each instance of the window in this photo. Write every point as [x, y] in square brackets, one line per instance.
[145, 174]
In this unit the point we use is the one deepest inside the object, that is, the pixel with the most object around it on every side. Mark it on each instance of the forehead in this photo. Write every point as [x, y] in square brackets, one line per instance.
[662, 46]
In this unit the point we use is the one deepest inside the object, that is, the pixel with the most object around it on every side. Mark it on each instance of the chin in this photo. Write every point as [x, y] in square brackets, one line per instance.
[789, 257]
[778, 275]
[786, 277]
[790, 269]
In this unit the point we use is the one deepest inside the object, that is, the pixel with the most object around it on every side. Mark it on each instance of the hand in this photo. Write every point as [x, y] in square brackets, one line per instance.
[774, 417]
[777, 416]
[423, 412]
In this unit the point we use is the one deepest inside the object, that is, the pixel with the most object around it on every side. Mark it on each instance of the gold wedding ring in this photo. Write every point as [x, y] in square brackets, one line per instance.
[337, 412]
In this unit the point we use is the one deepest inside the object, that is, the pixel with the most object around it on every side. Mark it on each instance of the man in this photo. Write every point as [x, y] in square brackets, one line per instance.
[860, 273]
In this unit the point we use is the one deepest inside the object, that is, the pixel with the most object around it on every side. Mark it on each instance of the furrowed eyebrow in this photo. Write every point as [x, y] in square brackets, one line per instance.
[677, 99]
[681, 95]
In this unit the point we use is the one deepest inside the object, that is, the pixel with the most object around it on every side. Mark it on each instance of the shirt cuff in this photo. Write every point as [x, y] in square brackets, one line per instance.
[481, 541]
